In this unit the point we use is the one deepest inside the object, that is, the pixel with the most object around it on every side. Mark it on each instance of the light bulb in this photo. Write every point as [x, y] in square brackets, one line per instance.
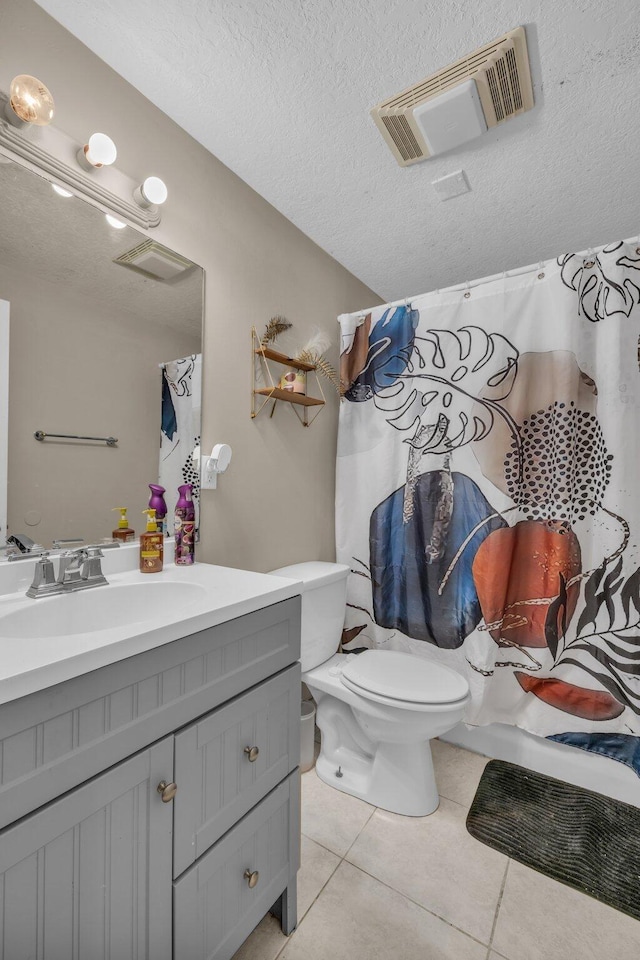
[151, 191]
[29, 102]
[100, 151]
[61, 191]
[114, 222]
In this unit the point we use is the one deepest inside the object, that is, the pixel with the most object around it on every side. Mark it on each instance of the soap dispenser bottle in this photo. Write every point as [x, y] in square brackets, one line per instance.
[151, 546]
[123, 531]
[184, 523]
[157, 503]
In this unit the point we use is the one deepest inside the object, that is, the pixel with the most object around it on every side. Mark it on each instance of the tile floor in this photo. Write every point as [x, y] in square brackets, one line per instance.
[376, 886]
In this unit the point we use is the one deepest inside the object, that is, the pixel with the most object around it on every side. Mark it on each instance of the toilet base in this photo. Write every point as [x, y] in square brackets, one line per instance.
[398, 777]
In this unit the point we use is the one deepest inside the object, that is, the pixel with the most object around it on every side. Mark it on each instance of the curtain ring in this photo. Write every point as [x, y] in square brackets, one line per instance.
[541, 270]
[468, 291]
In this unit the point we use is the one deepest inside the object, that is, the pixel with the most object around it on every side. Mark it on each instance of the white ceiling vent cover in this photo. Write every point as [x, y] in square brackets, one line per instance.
[151, 258]
[503, 81]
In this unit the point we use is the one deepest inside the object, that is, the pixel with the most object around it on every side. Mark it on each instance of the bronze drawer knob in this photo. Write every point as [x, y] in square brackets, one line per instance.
[252, 753]
[167, 790]
[251, 877]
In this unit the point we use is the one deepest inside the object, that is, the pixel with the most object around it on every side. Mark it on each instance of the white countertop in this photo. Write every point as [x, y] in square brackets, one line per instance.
[28, 664]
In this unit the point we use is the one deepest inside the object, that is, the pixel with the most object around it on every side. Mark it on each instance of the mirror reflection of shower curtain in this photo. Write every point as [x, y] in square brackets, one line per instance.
[180, 431]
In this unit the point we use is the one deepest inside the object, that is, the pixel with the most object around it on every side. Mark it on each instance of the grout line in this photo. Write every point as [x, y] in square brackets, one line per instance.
[359, 832]
[341, 860]
[466, 806]
[421, 905]
[498, 905]
[318, 893]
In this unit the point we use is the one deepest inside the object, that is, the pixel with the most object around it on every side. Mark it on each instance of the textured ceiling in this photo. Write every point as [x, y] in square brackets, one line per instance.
[280, 91]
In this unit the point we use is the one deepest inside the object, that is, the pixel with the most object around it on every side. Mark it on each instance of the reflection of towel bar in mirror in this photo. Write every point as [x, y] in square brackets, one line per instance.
[41, 435]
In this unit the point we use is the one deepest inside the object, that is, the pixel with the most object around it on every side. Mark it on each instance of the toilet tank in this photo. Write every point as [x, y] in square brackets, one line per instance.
[324, 597]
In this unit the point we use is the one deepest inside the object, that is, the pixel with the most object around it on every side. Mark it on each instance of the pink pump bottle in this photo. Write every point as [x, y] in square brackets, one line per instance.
[184, 525]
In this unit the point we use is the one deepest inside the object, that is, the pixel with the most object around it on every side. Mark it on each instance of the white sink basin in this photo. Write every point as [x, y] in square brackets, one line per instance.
[49, 640]
[102, 608]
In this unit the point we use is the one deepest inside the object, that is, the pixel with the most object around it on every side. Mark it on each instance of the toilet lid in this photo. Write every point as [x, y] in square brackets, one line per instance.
[405, 677]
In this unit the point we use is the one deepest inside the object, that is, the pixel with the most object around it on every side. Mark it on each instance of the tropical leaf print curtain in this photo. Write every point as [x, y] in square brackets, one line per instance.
[180, 430]
[488, 493]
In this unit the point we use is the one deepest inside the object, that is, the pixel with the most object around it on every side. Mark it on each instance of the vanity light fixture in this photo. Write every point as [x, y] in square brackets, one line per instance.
[152, 192]
[114, 222]
[100, 151]
[61, 191]
[29, 102]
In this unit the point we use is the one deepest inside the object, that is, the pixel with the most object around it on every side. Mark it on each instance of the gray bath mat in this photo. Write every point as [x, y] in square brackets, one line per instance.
[576, 836]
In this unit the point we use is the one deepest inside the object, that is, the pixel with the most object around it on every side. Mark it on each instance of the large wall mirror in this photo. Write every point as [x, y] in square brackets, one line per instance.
[97, 339]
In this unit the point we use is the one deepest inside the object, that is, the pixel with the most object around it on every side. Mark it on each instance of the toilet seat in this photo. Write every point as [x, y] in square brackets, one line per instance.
[395, 678]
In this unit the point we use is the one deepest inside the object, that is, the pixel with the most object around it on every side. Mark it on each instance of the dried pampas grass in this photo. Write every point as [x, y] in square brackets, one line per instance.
[274, 328]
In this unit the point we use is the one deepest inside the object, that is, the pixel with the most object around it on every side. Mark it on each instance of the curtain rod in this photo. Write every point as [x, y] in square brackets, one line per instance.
[505, 275]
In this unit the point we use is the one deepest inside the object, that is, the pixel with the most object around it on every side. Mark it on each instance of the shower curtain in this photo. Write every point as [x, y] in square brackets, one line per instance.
[488, 494]
[180, 430]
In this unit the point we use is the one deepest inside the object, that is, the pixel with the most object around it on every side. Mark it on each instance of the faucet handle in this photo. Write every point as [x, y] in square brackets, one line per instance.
[44, 578]
[91, 569]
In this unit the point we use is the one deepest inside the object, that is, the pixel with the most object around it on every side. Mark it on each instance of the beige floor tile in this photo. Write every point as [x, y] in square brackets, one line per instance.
[541, 919]
[357, 918]
[265, 942]
[434, 861]
[457, 771]
[330, 817]
[317, 865]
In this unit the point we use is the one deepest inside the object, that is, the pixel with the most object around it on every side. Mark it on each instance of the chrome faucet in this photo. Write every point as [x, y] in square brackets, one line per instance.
[24, 543]
[78, 570]
[21, 547]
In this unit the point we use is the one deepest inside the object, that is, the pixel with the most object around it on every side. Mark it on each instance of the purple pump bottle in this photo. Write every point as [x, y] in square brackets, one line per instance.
[185, 515]
[157, 503]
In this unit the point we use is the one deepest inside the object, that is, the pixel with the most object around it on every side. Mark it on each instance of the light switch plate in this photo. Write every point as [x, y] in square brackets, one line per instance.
[453, 185]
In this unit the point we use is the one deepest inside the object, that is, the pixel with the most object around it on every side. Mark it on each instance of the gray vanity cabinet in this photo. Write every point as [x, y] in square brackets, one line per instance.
[229, 760]
[228, 891]
[88, 876]
[93, 864]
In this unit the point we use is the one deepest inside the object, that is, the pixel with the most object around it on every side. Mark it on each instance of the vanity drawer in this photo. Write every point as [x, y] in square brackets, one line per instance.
[214, 907]
[229, 760]
[55, 739]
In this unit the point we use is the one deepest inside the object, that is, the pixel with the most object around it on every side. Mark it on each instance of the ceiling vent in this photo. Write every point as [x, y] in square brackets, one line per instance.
[154, 260]
[503, 80]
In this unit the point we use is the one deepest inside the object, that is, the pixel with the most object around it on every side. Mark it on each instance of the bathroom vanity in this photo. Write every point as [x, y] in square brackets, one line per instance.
[149, 787]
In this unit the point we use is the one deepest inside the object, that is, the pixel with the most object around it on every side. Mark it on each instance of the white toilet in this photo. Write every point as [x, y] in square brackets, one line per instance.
[377, 710]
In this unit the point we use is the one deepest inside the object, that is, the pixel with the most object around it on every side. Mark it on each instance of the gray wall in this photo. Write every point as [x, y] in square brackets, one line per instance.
[275, 504]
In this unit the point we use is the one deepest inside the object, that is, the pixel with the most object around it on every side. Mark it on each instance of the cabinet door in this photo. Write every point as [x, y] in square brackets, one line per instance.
[231, 759]
[89, 876]
[222, 897]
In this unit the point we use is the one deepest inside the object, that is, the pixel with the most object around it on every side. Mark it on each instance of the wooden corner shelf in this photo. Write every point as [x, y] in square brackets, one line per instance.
[270, 354]
[275, 393]
[264, 354]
